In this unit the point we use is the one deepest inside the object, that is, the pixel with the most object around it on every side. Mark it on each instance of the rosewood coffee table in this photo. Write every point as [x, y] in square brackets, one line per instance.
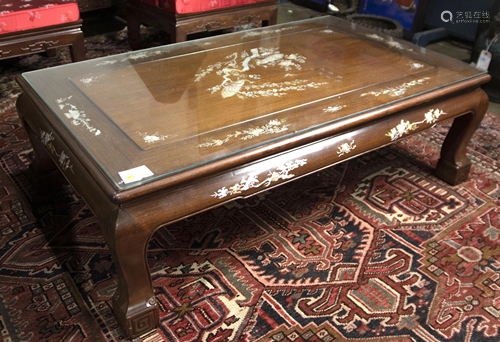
[152, 137]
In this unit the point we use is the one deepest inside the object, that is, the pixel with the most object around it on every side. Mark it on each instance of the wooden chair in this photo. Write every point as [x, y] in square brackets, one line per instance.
[180, 18]
[34, 26]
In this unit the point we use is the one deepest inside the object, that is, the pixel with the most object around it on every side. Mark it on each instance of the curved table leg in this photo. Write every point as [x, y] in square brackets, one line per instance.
[454, 166]
[134, 303]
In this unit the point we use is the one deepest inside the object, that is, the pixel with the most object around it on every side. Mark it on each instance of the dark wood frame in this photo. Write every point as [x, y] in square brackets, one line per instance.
[179, 26]
[44, 39]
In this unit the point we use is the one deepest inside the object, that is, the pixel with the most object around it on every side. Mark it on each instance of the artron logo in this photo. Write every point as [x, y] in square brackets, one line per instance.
[450, 16]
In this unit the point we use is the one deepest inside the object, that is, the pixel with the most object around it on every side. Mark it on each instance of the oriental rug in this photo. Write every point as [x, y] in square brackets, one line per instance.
[372, 249]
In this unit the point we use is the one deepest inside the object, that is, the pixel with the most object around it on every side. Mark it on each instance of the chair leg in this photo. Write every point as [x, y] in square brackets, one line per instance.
[51, 52]
[77, 49]
[273, 20]
[133, 30]
[179, 35]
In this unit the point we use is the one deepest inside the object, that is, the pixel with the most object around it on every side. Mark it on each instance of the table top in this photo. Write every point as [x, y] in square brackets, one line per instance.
[154, 113]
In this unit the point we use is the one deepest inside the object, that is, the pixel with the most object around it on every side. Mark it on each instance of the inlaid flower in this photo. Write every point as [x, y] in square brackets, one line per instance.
[275, 176]
[255, 131]
[405, 127]
[152, 138]
[274, 126]
[346, 148]
[333, 109]
[235, 189]
[432, 116]
[73, 114]
[281, 172]
[76, 116]
[63, 159]
[46, 137]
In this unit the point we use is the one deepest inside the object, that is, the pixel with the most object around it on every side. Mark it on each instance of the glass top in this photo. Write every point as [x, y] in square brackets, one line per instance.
[175, 107]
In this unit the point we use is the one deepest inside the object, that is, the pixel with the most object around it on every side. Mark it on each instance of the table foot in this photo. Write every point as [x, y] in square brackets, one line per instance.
[451, 173]
[138, 323]
[454, 165]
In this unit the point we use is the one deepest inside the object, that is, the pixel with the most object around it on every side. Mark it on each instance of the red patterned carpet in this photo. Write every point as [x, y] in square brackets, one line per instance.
[373, 249]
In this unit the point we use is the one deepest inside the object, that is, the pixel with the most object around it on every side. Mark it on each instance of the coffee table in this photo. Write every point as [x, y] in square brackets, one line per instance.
[151, 137]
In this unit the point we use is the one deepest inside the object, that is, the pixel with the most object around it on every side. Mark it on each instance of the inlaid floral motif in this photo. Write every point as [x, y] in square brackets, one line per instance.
[333, 109]
[415, 65]
[90, 79]
[391, 42]
[399, 90]
[266, 31]
[237, 81]
[111, 62]
[374, 36]
[63, 159]
[132, 56]
[404, 127]
[141, 55]
[346, 148]
[281, 172]
[77, 117]
[273, 127]
[152, 138]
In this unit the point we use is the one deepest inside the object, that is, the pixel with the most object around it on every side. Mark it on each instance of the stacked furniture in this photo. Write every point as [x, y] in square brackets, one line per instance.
[32, 26]
[179, 18]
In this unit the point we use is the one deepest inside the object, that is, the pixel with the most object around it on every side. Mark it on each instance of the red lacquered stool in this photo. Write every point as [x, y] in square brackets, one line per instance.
[31, 26]
[180, 18]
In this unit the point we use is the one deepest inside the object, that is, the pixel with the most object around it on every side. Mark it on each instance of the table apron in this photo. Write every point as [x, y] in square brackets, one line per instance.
[164, 207]
[68, 163]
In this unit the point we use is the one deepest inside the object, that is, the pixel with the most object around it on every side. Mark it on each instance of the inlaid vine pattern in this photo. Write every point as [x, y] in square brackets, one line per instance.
[63, 159]
[282, 172]
[398, 90]
[77, 117]
[273, 127]
[346, 148]
[152, 138]
[405, 127]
